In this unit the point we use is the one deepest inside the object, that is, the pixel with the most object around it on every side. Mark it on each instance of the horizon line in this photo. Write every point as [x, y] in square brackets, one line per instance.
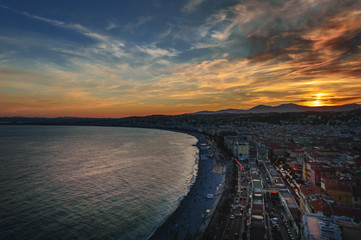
[159, 114]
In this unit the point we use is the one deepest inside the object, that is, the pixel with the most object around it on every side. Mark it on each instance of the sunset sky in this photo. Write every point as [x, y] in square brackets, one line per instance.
[120, 58]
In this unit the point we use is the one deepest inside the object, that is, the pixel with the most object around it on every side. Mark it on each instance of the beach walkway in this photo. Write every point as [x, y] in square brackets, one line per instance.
[191, 218]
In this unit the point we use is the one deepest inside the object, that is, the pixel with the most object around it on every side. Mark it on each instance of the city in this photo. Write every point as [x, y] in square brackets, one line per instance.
[180, 120]
[287, 175]
[295, 181]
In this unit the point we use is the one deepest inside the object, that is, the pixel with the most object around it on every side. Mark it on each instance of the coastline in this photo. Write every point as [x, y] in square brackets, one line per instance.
[195, 211]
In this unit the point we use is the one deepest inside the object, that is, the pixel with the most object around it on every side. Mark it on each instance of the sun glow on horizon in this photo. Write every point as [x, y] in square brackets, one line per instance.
[316, 103]
[318, 100]
[179, 58]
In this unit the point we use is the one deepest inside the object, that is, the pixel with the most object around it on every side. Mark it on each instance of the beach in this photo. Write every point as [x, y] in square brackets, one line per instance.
[192, 216]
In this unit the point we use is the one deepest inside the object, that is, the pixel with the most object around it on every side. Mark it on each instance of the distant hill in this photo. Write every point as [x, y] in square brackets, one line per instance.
[291, 107]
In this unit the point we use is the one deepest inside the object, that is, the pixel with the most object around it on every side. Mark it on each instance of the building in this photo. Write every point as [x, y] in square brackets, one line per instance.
[256, 211]
[237, 145]
[313, 199]
[291, 208]
[356, 196]
[321, 205]
[350, 229]
[317, 226]
[308, 193]
[299, 155]
[350, 212]
[313, 156]
[241, 149]
[262, 151]
[314, 171]
[340, 191]
[278, 150]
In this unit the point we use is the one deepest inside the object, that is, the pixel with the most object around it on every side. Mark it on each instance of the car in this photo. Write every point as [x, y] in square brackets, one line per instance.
[232, 216]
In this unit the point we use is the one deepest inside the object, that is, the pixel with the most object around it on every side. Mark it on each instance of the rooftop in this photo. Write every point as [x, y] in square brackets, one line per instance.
[257, 184]
[310, 189]
[335, 184]
[348, 212]
[318, 226]
[321, 205]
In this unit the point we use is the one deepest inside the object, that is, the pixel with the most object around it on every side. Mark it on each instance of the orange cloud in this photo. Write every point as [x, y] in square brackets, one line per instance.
[305, 52]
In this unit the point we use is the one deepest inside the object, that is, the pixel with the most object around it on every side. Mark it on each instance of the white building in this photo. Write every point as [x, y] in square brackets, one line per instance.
[316, 226]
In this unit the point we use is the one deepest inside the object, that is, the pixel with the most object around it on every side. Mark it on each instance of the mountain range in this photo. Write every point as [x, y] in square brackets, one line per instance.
[290, 107]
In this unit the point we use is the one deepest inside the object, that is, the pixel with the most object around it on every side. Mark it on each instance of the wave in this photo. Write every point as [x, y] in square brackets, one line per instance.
[190, 182]
[153, 231]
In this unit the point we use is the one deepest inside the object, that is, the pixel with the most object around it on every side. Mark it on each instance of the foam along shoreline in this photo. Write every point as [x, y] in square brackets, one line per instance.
[195, 210]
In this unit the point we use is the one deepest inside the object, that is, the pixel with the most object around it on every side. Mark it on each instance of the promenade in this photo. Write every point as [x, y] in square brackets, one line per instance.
[195, 211]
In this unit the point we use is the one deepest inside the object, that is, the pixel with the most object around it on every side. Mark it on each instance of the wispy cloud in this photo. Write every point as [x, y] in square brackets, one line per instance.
[106, 44]
[156, 52]
[192, 5]
[237, 56]
[111, 26]
[75, 27]
[132, 26]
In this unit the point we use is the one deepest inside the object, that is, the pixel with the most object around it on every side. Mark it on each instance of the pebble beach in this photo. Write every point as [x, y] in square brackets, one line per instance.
[196, 209]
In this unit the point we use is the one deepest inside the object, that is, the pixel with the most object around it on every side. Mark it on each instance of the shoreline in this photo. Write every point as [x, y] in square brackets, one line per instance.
[193, 214]
[195, 211]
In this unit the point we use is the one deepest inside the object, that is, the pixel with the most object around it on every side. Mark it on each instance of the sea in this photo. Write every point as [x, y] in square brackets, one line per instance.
[85, 182]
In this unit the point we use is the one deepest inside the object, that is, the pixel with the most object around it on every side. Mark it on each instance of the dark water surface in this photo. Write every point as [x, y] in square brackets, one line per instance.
[64, 182]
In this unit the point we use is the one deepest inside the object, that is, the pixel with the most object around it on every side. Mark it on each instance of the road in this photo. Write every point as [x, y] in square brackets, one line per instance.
[235, 225]
[274, 210]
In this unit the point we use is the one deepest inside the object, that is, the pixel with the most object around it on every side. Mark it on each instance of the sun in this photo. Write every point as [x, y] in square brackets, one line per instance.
[316, 103]
[318, 100]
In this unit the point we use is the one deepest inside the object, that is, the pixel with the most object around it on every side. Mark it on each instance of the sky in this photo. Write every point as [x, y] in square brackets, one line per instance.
[110, 58]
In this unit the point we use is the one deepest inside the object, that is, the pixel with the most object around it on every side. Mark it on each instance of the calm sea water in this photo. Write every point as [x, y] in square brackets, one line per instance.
[63, 182]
